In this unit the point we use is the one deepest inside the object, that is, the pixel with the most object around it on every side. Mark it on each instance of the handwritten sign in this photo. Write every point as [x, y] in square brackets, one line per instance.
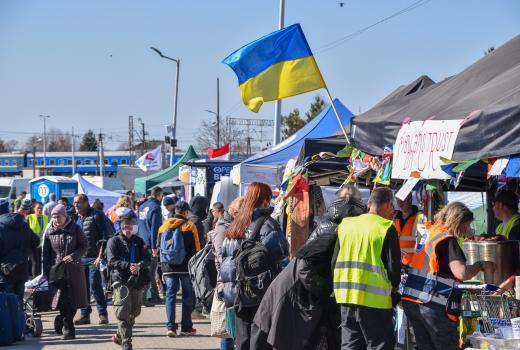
[420, 145]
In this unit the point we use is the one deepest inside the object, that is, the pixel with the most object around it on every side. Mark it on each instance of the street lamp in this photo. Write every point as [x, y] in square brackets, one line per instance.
[174, 140]
[45, 117]
[218, 125]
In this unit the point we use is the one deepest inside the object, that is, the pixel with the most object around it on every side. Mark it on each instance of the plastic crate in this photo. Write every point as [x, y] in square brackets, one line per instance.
[488, 343]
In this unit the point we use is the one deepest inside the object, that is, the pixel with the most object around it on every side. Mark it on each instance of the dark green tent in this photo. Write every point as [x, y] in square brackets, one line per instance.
[144, 184]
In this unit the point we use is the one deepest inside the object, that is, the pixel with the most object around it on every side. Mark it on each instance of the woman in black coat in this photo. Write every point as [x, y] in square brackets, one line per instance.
[297, 311]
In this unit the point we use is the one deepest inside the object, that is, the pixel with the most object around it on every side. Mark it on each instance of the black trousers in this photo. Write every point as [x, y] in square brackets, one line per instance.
[36, 262]
[366, 328]
[67, 311]
[243, 324]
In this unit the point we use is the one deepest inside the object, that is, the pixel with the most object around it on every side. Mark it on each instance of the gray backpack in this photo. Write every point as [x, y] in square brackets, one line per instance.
[203, 274]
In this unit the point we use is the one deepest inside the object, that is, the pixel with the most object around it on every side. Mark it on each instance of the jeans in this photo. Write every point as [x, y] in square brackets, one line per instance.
[227, 344]
[93, 277]
[172, 286]
[432, 328]
[366, 328]
[17, 288]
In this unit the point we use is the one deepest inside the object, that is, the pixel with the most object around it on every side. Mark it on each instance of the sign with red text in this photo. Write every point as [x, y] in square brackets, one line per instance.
[420, 145]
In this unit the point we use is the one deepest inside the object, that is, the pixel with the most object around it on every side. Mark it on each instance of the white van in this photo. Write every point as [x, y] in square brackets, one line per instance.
[11, 187]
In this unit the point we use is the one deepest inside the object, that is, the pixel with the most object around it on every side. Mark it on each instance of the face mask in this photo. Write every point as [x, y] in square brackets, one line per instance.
[134, 229]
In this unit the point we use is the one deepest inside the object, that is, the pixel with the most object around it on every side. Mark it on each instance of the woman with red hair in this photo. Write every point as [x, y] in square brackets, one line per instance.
[255, 210]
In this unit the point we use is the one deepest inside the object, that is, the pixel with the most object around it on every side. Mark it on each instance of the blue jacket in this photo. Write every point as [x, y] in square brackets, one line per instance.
[270, 235]
[149, 220]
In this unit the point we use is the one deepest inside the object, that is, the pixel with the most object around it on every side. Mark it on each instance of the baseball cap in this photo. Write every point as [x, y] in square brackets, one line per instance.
[168, 200]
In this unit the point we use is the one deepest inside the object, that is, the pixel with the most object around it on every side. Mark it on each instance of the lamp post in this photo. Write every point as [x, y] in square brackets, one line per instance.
[173, 143]
[218, 125]
[45, 117]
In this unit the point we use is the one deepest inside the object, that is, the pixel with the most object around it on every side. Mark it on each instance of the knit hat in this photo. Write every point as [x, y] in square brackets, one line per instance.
[4, 206]
[60, 209]
[26, 204]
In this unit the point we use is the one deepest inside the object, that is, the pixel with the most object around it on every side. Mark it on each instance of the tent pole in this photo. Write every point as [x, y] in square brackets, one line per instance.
[337, 116]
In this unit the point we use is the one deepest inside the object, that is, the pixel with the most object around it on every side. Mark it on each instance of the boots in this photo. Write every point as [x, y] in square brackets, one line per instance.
[69, 331]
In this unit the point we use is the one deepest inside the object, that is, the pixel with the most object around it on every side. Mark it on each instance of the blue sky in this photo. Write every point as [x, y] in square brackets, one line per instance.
[88, 63]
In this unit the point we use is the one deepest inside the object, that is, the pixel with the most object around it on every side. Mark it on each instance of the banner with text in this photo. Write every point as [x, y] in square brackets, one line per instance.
[420, 145]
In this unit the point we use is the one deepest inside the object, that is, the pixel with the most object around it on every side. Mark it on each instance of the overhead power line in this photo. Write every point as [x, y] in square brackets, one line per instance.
[344, 39]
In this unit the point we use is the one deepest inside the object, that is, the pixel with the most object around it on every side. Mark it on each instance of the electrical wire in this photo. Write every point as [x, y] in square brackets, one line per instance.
[344, 39]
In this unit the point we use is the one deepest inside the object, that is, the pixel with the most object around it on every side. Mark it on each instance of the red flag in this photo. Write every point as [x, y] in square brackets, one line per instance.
[219, 153]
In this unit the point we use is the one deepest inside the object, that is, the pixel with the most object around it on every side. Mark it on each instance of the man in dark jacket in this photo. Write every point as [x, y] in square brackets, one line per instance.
[97, 230]
[16, 243]
[127, 259]
[149, 220]
[199, 206]
[175, 275]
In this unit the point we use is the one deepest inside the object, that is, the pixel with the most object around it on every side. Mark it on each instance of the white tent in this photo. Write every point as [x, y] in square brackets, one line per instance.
[94, 192]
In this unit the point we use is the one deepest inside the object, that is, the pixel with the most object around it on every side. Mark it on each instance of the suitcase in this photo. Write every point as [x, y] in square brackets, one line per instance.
[12, 319]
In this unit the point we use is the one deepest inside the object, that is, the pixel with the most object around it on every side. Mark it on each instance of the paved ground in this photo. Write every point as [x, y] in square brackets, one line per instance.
[149, 333]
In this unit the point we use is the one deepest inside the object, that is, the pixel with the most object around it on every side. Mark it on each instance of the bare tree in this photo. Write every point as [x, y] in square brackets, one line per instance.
[207, 136]
[34, 143]
[11, 146]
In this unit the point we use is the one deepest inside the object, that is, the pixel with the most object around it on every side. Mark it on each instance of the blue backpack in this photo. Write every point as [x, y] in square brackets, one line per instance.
[172, 249]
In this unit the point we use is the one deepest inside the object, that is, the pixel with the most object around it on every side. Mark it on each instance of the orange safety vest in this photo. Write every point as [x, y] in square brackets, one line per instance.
[423, 284]
[408, 236]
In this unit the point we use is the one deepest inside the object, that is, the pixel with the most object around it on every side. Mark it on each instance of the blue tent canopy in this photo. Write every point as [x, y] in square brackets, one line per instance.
[265, 166]
[323, 125]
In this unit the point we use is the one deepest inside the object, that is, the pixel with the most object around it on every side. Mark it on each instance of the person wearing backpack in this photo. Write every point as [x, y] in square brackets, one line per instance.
[252, 252]
[178, 241]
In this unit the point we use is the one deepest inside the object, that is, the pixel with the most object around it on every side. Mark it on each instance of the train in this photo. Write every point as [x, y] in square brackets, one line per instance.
[60, 163]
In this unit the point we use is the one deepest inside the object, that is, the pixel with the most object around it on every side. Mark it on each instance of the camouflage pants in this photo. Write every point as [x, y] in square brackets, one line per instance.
[127, 306]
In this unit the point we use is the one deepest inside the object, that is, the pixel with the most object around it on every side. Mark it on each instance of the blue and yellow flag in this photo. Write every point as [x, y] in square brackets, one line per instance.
[275, 66]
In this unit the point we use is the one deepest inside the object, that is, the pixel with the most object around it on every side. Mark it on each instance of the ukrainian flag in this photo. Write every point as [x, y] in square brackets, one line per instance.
[275, 66]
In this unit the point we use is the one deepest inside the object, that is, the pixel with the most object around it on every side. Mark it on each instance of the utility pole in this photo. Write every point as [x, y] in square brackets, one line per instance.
[45, 117]
[218, 115]
[101, 155]
[130, 139]
[143, 136]
[278, 103]
[73, 153]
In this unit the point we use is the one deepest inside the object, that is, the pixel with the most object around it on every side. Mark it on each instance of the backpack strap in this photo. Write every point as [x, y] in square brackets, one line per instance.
[258, 227]
[133, 249]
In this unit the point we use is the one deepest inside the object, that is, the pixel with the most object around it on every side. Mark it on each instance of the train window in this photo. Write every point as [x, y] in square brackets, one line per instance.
[78, 162]
[87, 162]
[114, 162]
[51, 162]
[14, 162]
[105, 161]
[123, 161]
[61, 162]
[7, 162]
[69, 161]
[95, 161]
[30, 162]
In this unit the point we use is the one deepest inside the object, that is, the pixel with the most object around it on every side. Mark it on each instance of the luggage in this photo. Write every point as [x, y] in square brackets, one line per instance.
[12, 319]
[203, 274]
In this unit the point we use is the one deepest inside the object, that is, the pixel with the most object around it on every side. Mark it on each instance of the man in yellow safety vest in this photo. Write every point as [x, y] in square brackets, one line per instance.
[367, 274]
[505, 208]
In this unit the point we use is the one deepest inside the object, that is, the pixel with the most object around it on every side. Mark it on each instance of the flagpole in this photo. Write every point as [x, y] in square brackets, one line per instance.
[337, 115]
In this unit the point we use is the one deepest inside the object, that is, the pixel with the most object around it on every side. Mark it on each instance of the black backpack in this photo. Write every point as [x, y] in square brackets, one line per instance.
[255, 269]
[203, 274]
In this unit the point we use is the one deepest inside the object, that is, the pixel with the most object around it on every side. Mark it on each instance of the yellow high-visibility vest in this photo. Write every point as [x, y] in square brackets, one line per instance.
[360, 277]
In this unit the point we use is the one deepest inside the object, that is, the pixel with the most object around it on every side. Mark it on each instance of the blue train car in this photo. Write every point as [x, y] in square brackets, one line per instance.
[60, 163]
[42, 187]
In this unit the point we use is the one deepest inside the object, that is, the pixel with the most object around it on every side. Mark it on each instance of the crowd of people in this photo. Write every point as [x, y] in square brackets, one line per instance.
[341, 290]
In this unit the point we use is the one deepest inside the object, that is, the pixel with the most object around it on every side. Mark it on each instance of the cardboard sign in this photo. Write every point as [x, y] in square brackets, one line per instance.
[405, 190]
[420, 145]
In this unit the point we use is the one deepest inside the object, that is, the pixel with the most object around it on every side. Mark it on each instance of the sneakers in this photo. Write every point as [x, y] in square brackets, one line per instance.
[82, 320]
[68, 336]
[127, 346]
[192, 331]
[116, 339]
[103, 319]
[171, 333]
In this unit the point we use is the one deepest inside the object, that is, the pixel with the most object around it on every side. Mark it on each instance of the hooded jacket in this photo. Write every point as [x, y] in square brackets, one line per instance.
[199, 206]
[149, 220]
[16, 242]
[190, 237]
[270, 235]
